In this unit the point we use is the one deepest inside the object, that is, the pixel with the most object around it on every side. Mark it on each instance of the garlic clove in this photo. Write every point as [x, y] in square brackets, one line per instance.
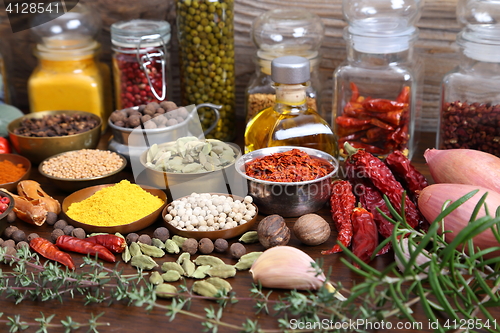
[407, 250]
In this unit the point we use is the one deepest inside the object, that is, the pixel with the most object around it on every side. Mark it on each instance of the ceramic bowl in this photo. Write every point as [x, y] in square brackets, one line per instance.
[16, 159]
[213, 235]
[140, 224]
[37, 149]
[3, 216]
[75, 184]
[288, 199]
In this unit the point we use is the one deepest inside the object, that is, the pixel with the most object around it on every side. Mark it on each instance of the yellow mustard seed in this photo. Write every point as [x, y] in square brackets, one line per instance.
[122, 203]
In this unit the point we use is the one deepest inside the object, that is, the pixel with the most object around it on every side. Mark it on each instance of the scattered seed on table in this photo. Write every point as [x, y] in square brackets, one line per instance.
[61, 224]
[51, 218]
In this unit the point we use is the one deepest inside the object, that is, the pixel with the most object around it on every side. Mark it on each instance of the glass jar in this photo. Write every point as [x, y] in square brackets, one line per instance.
[69, 75]
[4, 83]
[206, 57]
[141, 62]
[290, 121]
[281, 32]
[377, 92]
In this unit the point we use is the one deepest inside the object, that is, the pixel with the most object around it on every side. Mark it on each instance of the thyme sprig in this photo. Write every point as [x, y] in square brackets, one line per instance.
[450, 285]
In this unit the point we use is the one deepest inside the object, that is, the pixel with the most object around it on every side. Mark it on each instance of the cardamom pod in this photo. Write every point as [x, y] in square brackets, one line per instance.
[135, 249]
[119, 235]
[165, 290]
[172, 266]
[208, 260]
[189, 267]
[249, 237]
[172, 247]
[158, 243]
[143, 262]
[182, 257]
[126, 256]
[155, 278]
[220, 284]
[246, 261]
[178, 240]
[201, 272]
[171, 276]
[151, 250]
[204, 288]
[222, 271]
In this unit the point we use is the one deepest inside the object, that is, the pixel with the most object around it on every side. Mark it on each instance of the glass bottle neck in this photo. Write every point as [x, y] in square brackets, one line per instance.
[378, 59]
[291, 98]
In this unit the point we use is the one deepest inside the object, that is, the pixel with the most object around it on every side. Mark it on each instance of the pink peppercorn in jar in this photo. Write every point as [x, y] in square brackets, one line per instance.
[141, 62]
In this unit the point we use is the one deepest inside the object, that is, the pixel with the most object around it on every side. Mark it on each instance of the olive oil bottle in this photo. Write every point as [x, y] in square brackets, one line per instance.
[290, 122]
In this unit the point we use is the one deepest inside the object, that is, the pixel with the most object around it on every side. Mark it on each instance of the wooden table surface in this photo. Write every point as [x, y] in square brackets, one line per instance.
[122, 317]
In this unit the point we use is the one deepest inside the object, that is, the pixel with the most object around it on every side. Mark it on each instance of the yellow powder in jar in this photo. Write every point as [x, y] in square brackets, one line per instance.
[122, 203]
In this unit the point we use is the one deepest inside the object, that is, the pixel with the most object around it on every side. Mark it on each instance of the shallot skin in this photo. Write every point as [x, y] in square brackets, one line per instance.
[433, 197]
[464, 166]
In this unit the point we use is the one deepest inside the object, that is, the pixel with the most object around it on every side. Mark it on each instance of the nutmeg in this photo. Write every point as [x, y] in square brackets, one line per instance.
[311, 229]
[272, 231]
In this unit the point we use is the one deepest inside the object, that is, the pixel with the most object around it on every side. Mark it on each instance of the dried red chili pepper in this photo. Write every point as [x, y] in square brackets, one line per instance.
[404, 95]
[375, 134]
[73, 244]
[391, 117]
[354, 91]
[381, 124]
[49, 251]
[342, 202]
[401, 167]
[356, 110]
[383, 105]
[365, 235]
[383, 179]
[113, 243]
[351, 122]
[369, 148]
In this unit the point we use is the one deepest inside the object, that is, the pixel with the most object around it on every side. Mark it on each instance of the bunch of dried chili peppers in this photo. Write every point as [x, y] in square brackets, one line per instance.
[369, 179]
[377, 125]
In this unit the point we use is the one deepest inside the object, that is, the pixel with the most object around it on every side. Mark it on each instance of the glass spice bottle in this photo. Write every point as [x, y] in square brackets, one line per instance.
[141, 62]
[206, 57]
[281, 32]
[290, 122]
[470, 103]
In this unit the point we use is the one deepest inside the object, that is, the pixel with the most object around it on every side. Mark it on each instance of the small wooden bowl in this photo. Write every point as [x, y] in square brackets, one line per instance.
[213, 235]
[16, 159]
[142, 223]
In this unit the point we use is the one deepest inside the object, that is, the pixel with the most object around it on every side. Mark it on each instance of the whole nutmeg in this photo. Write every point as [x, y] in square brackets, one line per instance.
[311, 229]
[272, 231]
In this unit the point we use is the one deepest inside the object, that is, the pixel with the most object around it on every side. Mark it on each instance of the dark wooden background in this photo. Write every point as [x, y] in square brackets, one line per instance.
[438, 29]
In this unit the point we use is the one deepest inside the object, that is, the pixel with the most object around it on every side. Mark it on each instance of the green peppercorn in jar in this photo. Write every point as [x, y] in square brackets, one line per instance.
[206, 56]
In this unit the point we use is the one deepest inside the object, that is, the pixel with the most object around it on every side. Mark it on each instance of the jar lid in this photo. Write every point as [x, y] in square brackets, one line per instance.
[380, 43]
[290, 70]
[482, 44]
[140, 32]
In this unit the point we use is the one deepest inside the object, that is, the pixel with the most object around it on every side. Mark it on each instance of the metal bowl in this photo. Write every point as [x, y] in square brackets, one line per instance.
[288, 199]
[74, 184]
[3, 216]
[38, 149]
[16, 159]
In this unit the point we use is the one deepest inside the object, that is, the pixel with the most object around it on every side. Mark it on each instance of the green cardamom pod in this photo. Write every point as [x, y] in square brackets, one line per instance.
[151, 250]
[171, 276]
[182, 257]
[165, 290]
[222, 271]
[204, 288]
[172, 247]
[97, 234]
[155, 278]
[119, 235]
[249, 237]
[178, 240]
[135, 249]
[172, 266]
[208, 260]
[201, 272]
[143, 262]
[246, 261]
[220, 284]
[126, 256]
[158, 243]
[189, 267]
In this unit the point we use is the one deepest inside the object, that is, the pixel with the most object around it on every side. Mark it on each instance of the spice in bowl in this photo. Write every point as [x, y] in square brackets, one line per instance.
[82, 164]
[289, 166]
[56, 125]
[120, 204]
[10, 172]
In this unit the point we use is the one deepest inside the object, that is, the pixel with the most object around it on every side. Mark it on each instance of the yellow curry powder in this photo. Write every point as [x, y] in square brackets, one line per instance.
[119, 204]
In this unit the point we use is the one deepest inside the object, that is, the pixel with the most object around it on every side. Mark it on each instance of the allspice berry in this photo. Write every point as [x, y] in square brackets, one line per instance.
[55, 234]
[273, 231]
[131, 238]
[9, 243]
[51, 218]
[79, 233]
[190, 245]
[206, 246]
[161, 233]
[220, 245]
[237, 250]
[60, 224]
[31, 236]
[144, 239]
[18, 236]
[21, 245]
[9, 231]
[11, 217]
[68, 229]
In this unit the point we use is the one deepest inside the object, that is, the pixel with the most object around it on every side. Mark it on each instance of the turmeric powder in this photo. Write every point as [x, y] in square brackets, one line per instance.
[10, 172]
[120, 204]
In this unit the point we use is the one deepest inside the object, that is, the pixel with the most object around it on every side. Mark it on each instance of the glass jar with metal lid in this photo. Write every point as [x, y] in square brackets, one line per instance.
[141, 62]
[281, 32]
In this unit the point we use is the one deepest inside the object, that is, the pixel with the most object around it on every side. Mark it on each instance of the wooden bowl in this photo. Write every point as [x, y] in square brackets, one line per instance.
[142, 223]
[16, 159]
[213, 235]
